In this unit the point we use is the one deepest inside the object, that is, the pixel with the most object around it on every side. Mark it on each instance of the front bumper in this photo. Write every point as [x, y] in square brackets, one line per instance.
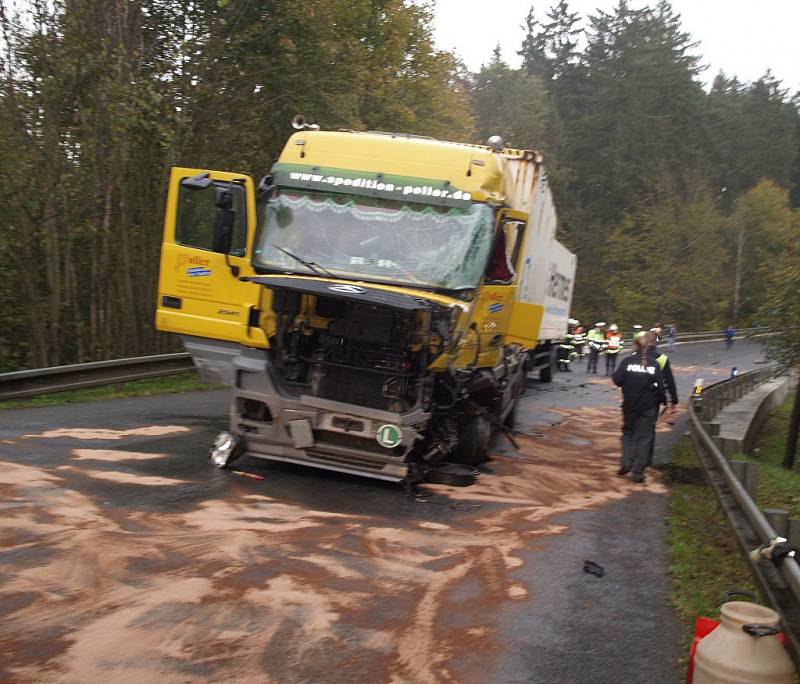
[316, 432]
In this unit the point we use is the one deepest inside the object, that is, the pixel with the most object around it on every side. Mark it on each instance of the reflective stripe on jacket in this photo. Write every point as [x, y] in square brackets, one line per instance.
[614, 342]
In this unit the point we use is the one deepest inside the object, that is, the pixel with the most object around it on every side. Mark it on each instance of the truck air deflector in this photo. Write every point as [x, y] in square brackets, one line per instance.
[370, 184]
[346, 292]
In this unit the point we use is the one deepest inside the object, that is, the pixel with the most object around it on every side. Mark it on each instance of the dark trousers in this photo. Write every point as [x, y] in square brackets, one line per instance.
[563, 357]
[594, 354]
[638, 437]
[611, 362]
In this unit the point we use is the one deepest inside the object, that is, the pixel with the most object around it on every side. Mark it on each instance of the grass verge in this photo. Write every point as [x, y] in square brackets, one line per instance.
[705, 559]
[777, 487]
[182, 382]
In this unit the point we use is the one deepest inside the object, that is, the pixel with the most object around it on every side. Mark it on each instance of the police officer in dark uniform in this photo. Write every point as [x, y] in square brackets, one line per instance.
[643, 392]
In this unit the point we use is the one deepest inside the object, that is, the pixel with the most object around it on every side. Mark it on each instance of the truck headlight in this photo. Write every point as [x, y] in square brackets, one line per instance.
[227, 448]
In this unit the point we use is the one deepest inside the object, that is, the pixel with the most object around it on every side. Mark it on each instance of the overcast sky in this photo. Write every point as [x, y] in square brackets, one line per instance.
[740, 37]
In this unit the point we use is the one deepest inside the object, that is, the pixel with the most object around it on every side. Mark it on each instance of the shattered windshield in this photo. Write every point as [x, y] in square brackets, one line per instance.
[374, 239]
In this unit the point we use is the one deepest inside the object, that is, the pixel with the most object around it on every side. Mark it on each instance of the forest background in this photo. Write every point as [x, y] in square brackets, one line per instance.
[681, 202]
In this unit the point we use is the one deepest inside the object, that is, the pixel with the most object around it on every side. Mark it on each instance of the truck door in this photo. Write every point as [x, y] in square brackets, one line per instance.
[526, 313]
[209, 229]
[546, 277]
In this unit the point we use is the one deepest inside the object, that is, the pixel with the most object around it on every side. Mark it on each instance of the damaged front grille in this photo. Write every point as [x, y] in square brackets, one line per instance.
[354, 352]
[354, 386]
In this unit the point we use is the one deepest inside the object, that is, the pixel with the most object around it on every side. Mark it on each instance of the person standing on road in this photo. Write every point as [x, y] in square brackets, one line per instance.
[597, 341]
[566, 347]
[643, 391]
[672, 334]
[662, 360]
[613, 347]
[730, 333]
[669, 385]
[579, 340]
[657, 330]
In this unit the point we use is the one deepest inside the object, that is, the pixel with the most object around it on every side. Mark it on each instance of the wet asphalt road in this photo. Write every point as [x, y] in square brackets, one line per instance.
[124, 557]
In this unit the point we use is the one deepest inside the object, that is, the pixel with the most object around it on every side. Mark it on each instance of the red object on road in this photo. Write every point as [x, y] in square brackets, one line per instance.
[250, 475]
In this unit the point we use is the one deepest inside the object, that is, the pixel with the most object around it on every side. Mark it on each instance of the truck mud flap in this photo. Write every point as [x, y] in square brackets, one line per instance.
[453, 474]
[212, 358]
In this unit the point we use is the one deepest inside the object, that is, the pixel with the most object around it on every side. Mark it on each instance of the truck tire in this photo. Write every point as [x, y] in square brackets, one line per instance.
[474, 439]
[546, 372]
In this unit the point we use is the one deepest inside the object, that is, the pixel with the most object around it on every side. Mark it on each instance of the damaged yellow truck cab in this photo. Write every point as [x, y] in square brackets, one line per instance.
[375, 304]
[201, 296]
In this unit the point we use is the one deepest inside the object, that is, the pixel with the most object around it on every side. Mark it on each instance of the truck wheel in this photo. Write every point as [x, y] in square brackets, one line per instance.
[546, 373]
[474, 439]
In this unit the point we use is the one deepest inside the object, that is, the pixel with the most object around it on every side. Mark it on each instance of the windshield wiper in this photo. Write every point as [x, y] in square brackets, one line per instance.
[310, 265]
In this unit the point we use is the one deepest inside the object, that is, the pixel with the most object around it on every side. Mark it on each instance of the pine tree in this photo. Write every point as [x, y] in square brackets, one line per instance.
[511, 103]
[533, 51]
[753, 132]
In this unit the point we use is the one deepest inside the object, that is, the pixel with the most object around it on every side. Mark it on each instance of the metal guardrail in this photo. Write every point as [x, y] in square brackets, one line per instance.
[717, 396]
[779, 585]
[30, 383]
[743, 333]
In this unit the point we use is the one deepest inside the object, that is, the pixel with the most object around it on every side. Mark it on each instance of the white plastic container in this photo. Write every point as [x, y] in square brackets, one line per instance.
[744, 648]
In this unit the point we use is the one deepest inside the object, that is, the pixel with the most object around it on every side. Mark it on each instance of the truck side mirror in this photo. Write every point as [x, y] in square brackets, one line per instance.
[265, 188]
[223, 222]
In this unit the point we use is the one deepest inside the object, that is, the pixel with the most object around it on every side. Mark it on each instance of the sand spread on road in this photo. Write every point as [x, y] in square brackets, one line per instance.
[112, 455]
[247, 585]
[109, 434]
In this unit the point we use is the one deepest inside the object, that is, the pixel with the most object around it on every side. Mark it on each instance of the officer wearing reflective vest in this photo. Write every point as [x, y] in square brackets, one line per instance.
[669, 379]
[643, 392]
[613, 347]
[578, 339]
[566, 347]
[597, 341]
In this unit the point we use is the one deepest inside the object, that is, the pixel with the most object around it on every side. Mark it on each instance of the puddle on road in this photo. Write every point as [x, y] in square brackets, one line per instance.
[251, 587]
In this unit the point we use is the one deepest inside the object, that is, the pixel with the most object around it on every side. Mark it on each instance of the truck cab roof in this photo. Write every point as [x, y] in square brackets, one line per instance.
[476, 169]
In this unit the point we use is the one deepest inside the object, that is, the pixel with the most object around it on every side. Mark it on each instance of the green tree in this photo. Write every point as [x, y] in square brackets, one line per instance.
[550, 49]
[665, 256]
[513, 104]
[780, 307]
[550, 52]
[633, 117]
[752, 134]
[99, 98]
[761, 228]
